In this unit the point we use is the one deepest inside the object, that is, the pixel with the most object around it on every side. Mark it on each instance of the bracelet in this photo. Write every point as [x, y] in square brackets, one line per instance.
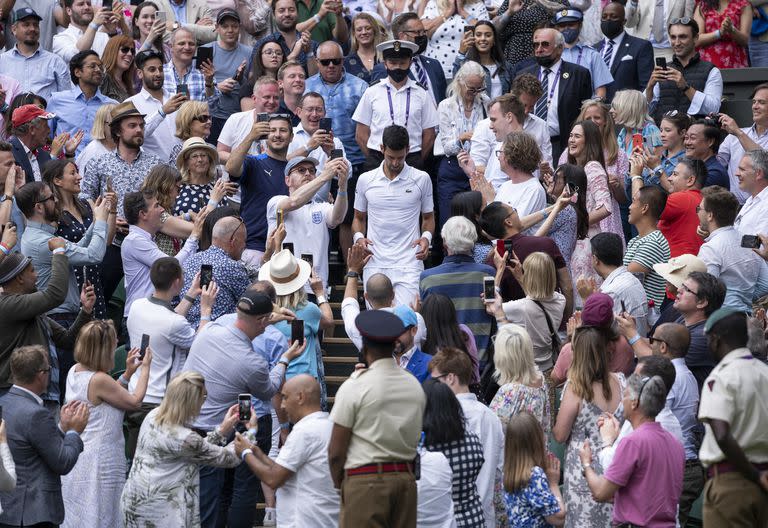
[285, 425]
[190, 299]
[718, 34]
[245, 453]
[634, 340]
[428, 236]
[5, 249]
[321, 300]
[213, 202]
[283, 362]
[341, 193]
[58, 251]
[94, 26]
[205, 318]
[637, 178]
[122, 380]
[316, 18]
[544, 214]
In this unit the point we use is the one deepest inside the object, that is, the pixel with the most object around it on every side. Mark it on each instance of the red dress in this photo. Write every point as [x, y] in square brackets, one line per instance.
[726, 52]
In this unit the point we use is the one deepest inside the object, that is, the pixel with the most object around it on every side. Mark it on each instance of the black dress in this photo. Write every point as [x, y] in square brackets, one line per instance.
[353, 65]
[71, 229]
[517, 37]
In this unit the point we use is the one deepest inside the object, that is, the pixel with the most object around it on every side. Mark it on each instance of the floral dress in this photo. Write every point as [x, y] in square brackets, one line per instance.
[466, 458]
[513, 398]
[583, 510]
[726, 52]
[163, 487]
[526, 508]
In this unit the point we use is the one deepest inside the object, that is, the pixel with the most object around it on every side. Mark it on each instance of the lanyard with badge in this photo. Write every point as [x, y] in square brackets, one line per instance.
[554, 84]
[407, 105]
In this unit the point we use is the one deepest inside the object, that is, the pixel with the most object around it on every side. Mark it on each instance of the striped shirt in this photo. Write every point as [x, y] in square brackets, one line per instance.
[649, 250]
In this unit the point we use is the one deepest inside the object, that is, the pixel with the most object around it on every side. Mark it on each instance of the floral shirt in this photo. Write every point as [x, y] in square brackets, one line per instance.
[126, 177]
[526, 508]
[513, 398]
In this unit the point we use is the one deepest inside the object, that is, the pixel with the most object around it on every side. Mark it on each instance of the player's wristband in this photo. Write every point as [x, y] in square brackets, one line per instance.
[427, 235]
[357, 237]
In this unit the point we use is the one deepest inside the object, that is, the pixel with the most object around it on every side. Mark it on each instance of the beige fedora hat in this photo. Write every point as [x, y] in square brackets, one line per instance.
[286, 273]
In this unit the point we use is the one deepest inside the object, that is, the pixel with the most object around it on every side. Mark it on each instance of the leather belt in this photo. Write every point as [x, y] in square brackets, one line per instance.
[382, 467]
[726, 467]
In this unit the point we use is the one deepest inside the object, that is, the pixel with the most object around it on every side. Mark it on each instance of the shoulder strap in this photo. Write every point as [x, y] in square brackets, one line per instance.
[549, 321]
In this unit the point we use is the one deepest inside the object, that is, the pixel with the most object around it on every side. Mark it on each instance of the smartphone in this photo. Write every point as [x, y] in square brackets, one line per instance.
[144, 345]
[639, 275]
[107, 4]
[337, 153]
[309, 259]
[623, 307]
[280, 217]
[750, 241]
[161, 15]
[661, 62]
[206, 275]
[109, 184]
[262, 117]
[203, 54]
[637, 142]
[182, 89]
[469, 29]
[325, 124]
[85, 275]
[297, 331]
[288, 246]
[489, 289]
[244, 407]
[239, 74]
[500, 247]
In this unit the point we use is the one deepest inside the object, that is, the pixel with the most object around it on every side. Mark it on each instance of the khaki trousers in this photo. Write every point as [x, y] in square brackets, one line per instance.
[384, 500]
[733, 501]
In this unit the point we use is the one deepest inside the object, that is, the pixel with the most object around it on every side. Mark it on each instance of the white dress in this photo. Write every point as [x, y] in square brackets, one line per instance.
[91, 491]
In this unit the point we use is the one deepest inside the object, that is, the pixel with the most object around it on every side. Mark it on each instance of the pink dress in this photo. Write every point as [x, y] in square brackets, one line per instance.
[726, 52]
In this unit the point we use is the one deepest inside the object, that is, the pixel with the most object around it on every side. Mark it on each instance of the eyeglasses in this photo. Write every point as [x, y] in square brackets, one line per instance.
[640, 392]
[685, 21]
[94, 66]
[271, 52]
[232, 238]
[542, 45]
[305, 170]
[202, 118]
[279, 116]
[684, 288]
[328, 62]
[45, 369]
[473, 90]
[418, 33]
[43, 200]
[128, 49]
[498, 154]
[653, 340]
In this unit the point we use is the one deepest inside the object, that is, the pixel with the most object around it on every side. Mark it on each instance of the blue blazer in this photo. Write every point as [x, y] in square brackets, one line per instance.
[434, 72]
[418, 365]
[42, 453]
[20, 156]
[632, 73]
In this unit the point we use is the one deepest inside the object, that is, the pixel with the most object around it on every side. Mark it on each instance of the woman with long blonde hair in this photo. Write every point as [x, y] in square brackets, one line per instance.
[163, 487]
[591, 390]
[91, 491]
[367, 33]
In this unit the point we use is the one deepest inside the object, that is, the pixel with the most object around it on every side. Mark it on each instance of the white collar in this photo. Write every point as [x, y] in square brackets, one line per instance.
[616, 40]
[552, 68]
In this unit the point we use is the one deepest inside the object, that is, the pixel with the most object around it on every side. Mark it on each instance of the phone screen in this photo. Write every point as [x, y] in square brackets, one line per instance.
[280, 217]
[206, 275]
[144, 345]
[469, 29]
[325, 124]
[244, 407]
[337, 153]
[297, 331]
[288, 246]
[623, 307]
[661, 62]
[489, 289]
[637, 141]
[204, 54]
[308, 258]
[182, 89]
[262, 117]
[750, 241]
[107, 4]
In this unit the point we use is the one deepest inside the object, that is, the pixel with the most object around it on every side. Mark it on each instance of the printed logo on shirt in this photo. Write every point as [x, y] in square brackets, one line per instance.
[317, 217]
[409, 190]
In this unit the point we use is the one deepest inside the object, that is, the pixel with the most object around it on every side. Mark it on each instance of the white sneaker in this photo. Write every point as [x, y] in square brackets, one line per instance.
[270, 517]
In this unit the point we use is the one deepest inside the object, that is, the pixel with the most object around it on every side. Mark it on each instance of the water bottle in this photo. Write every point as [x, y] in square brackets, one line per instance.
[653, 313]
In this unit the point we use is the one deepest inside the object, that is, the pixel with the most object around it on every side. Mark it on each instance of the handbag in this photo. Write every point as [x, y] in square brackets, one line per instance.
[553, 337]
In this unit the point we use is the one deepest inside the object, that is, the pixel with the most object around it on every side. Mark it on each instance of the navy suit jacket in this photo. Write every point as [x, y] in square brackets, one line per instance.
[575, 87]
[418, 365]
[42, 453]
[634, 72]
[434, 72]
[20, 155]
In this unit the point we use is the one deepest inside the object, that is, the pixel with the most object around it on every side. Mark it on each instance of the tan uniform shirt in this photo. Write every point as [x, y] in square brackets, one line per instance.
[383, 406]
[735, 392]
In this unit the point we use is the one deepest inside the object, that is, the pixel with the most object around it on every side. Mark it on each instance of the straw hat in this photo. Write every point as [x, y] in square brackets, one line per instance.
[195, 143]
[286, 273]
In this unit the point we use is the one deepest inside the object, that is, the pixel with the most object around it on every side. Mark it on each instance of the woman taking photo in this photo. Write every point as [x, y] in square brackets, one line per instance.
[101, 139]
[444, 330]
[445, 21]
[445, 431]
[458, 114]
[674, 125]
[725, 27]
[366, 35]
[469, 204]
[75, 219]
[120, 70]
[629, 110]
[163, 487]
[267, 59]
[148, 32]
[591, 390]
[522, 387]
[481, 46]
[91, 491]
[193, 119]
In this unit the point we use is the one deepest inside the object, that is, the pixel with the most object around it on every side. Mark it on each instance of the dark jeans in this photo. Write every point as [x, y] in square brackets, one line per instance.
[111, 271]
[133, 421]
[228, 497]
[693, 484]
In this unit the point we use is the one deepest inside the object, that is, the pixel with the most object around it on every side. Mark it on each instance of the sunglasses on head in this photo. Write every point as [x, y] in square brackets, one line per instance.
[128, 49]
[328, 62]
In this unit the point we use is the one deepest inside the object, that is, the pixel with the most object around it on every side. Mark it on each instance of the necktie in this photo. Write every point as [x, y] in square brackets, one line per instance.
[608, 54]
[421, 74]
[659, 25]
[542, 106]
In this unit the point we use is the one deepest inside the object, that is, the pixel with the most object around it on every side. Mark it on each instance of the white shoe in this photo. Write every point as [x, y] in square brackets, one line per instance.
[270, 517]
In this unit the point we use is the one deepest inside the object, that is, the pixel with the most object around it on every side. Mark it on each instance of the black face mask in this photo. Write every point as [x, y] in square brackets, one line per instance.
[546, 61]
[398, 74]
[611, 28]
[421, 41]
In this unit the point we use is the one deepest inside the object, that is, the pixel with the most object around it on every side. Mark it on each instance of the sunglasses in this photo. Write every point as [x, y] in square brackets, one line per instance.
[232, 238]
[328, 62]
[653, 340]
[128, 49]
[202, 118]
[684, 21]
[43, 200]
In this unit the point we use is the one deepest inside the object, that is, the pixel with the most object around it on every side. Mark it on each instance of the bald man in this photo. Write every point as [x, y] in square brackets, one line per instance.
[227, 245]
[302, 462]
[672, 340]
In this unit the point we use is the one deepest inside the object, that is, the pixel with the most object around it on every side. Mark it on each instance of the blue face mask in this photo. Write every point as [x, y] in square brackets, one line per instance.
[570, 35]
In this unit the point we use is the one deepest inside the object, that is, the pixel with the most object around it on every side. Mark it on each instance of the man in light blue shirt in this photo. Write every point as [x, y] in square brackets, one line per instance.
[39, 71]
[569, 23]
[75, 109]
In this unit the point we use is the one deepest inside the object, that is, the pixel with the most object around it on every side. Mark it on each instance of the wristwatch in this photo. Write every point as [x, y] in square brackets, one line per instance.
[353, 275]
[584, 468]
[5, 197]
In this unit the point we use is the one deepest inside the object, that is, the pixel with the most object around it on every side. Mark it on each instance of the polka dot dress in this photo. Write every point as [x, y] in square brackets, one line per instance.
[517, 37]
[192, 197]
[444, 43]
